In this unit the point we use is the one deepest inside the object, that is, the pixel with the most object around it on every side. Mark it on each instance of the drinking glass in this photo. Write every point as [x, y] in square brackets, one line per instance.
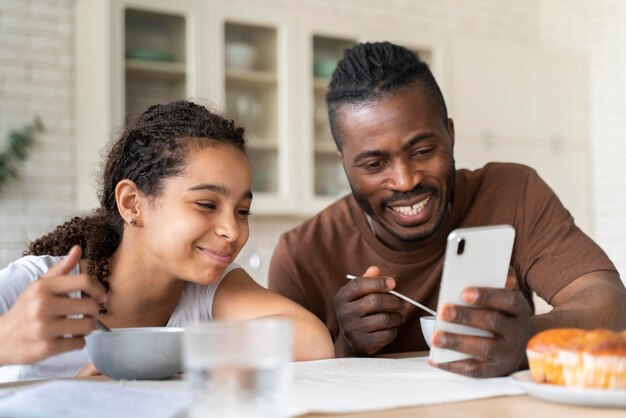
[238, 368]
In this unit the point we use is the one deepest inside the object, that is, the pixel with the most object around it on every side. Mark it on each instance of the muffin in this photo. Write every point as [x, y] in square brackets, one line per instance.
[578, 358]
[543, 354]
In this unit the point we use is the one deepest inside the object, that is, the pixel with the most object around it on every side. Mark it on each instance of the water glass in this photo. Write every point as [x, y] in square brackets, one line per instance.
[238, 368]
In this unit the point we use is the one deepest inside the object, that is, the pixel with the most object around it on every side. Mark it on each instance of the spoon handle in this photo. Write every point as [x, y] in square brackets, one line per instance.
[101, 325]
[406, 298]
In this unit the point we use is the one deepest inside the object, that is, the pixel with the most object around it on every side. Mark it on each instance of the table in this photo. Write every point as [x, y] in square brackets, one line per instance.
[509, 406]
[506, 406]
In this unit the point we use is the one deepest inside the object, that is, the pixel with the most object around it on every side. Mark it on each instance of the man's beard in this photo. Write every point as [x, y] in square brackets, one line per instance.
[418, 190]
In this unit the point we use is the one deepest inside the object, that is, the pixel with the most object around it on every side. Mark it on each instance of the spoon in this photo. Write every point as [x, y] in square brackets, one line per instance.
[401, 296]
[101, 326]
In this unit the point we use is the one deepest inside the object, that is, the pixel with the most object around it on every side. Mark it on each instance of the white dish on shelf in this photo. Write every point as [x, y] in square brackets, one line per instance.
[606, 398]
[240, 56]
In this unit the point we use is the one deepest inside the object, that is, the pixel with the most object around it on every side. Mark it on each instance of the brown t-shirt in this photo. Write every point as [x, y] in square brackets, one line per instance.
[311, 261]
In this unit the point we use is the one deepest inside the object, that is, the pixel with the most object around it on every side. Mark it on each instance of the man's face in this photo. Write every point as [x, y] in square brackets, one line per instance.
[397, 154]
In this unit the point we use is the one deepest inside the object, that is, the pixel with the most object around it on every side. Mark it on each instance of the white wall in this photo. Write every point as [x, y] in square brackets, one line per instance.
[36, 77]
[597, 28]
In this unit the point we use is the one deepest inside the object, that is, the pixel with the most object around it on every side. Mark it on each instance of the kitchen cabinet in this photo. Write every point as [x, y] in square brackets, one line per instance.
[521, 104]
[266, 66]
[246, 62]
[130, 54]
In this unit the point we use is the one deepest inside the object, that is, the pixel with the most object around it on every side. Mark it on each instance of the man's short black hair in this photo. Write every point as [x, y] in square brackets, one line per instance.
[370, 71]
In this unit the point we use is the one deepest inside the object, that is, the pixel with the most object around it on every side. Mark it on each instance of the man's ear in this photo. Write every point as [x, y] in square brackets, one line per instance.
[128, 198]
[340, 155]
[450, 128]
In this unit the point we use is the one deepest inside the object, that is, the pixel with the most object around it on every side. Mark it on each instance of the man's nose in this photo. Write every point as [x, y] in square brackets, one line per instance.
[404, 177]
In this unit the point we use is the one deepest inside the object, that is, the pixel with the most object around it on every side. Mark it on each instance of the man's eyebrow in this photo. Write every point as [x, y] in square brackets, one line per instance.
[218, 188]
[408, 144]
[417, 139]
[371, 153]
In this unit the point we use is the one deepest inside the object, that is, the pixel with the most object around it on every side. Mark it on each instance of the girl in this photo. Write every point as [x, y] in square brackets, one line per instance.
[174, 204]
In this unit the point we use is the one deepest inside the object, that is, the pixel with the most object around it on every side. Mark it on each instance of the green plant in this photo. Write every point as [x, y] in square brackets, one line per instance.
[16, 149]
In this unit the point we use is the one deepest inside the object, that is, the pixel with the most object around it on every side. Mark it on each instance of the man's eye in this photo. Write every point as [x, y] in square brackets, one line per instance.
[422, 152]
[373, 165]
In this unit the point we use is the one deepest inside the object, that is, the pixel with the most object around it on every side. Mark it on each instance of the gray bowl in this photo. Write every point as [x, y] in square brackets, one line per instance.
[137, 353]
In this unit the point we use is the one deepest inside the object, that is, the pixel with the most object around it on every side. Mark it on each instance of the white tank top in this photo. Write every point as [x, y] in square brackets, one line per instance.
[195, 304]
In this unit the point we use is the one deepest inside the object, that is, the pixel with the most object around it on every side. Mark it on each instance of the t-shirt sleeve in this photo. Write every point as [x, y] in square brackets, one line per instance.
[13, 280]
[553, 251]
[283, 277]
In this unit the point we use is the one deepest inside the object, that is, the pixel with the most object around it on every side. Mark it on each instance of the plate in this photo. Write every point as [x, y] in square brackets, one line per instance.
[607, 398]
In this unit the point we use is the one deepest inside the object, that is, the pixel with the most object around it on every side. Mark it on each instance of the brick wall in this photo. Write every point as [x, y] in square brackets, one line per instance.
[36, 78]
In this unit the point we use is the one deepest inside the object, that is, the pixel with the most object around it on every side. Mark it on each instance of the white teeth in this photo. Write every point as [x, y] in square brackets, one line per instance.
[411, 210]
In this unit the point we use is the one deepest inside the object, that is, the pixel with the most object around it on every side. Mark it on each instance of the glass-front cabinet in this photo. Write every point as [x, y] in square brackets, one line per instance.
[266, 65]
[154, 58]
[329, 178]
[251, 89]
[246, 59]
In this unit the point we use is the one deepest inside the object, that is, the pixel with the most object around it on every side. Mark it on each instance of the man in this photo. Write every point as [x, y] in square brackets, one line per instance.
[395, 140]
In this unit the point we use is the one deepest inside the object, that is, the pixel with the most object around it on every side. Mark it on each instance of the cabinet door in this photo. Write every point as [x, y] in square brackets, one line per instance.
[518, 104]
[321, 39]
[329, 180]
[512, 91]
[248, 49]
[130, 54]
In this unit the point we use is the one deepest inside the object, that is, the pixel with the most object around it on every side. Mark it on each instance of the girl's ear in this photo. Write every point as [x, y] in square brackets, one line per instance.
[128, 198]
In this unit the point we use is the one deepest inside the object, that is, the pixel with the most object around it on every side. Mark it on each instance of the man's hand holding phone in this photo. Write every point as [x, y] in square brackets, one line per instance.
[505, 313]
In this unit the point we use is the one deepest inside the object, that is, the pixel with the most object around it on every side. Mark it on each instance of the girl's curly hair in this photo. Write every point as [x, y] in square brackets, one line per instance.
[152, 147]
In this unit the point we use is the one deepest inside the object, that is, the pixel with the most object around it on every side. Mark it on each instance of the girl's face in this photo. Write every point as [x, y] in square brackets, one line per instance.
[200, 222]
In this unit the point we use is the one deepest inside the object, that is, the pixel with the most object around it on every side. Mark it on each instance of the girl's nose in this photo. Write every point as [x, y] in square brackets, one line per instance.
[227, 228]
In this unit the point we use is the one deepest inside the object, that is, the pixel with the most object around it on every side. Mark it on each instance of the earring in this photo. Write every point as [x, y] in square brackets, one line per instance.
[133, 221]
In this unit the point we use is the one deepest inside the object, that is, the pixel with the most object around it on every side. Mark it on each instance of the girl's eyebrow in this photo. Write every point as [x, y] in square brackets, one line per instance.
[218, 188]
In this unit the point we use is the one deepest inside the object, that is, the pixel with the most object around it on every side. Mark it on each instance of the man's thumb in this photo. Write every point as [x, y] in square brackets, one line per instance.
[372, 271]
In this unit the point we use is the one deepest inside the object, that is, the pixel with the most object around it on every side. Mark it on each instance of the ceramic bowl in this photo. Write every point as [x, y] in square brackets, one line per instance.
[428, 326]
[240, 56]
[137, 353]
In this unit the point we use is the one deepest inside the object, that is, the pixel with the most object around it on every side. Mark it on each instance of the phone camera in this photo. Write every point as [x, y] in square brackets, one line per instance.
[460, 246]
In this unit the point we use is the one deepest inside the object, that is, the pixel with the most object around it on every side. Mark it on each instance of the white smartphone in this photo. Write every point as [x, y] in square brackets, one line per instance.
[479, 257]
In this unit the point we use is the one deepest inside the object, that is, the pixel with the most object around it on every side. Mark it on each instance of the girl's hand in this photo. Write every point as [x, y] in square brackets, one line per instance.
[37, 325]
[88, 370]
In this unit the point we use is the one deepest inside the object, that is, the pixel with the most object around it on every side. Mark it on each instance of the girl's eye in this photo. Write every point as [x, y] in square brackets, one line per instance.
[206, 205]
[244, 213]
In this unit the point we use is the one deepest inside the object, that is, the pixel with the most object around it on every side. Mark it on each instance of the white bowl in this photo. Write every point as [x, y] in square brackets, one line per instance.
[428, 326]
[240, 56]
[136, 353]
